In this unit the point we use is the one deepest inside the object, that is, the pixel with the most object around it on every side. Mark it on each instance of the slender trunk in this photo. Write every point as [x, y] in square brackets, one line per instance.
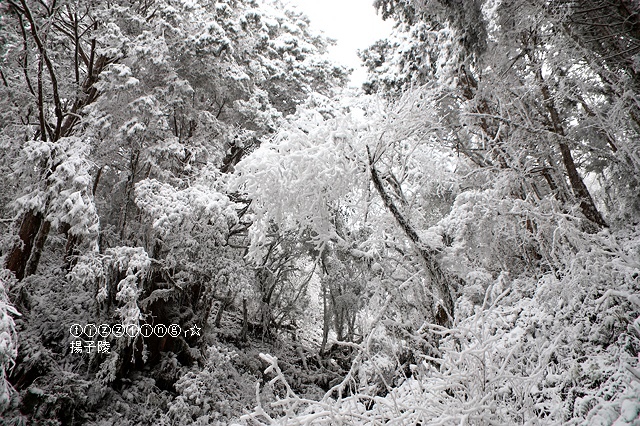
[338, 315]
[96, 181]
[326, 321]
[580, 190]
[41, 117]
[218, 319]
[223, 305]
[70, 251]
[444, 312]
[266, 317]
[351, 327]
[133, 168]
[38, 246]
[245, 321]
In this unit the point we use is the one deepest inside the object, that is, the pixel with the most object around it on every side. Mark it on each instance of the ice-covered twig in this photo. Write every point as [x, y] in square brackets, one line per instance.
[633, 371]
[633, 298]
[274, 368]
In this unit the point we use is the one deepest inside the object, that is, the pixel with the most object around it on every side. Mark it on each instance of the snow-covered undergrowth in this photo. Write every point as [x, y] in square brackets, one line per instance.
[211, 395]
[8, 339]
[557, 348]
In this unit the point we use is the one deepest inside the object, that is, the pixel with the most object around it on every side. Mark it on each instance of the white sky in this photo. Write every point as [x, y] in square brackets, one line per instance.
[353, 23]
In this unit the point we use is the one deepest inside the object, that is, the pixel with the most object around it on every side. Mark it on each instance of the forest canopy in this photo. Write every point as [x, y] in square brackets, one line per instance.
[201, 223]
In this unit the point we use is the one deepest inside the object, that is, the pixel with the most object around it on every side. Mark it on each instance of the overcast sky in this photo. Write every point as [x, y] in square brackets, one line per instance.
[353, 23]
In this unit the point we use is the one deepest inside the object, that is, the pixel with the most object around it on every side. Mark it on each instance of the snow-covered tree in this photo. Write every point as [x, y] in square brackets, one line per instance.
[121, 120]
[457, 245]
[520, 104]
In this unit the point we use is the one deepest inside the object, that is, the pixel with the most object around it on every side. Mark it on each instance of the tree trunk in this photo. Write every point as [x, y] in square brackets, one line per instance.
[224, 304]
[326, 321]
[245, 321]
[444, 313]
[38, 246]
[124, 210]
[19, 255]
[70, 252]
[580, 190]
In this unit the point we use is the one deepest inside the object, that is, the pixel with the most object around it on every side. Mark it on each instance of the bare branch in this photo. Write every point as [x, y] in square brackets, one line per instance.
[49, 64]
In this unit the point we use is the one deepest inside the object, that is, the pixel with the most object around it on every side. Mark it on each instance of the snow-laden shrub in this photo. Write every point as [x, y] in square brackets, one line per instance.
[560, 349]
[129, 265]
[211, 395]
[194, 224]
[179, 210]
[8, 339]
[490, 231]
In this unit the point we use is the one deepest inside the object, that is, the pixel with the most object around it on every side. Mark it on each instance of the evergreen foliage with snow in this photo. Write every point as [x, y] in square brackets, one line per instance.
[457, 242]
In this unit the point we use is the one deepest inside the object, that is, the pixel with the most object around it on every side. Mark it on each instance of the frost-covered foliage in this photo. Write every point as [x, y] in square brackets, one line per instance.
[322, 151]
[559, 349]
[299, 179]
[59, 186]
[405, 59]
[130, 263]
[8, 339]
[458, 246]
[213, 394]
[313, 174]
[172, 210]
[194, 225]
[497, 234]
[546, 317]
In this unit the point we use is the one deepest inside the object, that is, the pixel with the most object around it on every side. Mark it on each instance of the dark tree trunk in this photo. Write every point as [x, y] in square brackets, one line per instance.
[580, 190]
[326, 321]
[38, 246]
[218, 319]
[224, 304]
[19, 255]
[245, 321]
[444, 313]
[70, 252]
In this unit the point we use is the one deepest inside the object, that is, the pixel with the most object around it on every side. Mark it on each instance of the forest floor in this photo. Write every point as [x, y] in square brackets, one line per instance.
[58, 387]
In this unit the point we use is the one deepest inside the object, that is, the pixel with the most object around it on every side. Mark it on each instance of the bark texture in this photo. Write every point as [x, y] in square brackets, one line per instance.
[436, 274]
